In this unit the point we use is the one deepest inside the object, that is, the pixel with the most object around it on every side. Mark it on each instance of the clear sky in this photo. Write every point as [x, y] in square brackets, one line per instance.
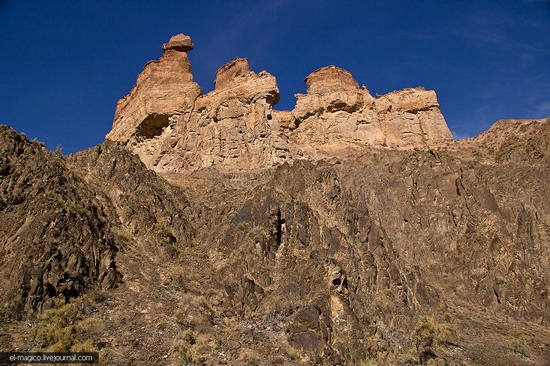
[64, 64]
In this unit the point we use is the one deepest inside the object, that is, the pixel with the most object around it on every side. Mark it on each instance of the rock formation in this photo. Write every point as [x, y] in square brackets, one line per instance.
[173, 127]
[394, 257]
[61, 235]
[164, 91]
[336, 110]
[232, 125]
[214, 230]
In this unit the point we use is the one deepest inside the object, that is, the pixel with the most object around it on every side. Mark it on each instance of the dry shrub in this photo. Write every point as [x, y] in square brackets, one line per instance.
[192, 347]
[66, 328]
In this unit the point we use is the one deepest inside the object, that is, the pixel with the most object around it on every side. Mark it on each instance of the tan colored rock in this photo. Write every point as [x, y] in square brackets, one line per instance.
[164, 89]
[285, 120]
[173, 127]
[232, 126]
[231, 71]
[329, 90]
[336, 110]
[407, 100]
[329, 79]
[412, 118]
[179, 42]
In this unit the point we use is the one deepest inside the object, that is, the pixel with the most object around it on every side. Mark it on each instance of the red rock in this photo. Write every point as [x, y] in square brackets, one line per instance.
[330, 78]
[179, 42]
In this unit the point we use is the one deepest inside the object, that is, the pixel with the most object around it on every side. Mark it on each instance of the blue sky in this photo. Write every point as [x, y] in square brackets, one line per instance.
[64, 64]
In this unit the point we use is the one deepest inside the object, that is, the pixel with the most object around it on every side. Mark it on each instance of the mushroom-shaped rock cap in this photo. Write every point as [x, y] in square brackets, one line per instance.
[330, 78]
[179, 42]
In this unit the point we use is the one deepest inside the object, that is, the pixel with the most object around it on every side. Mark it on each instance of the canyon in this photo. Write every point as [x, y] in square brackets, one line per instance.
[214, 229]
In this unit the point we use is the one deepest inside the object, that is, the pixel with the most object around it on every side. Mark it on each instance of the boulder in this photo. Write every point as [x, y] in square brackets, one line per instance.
[179, 42]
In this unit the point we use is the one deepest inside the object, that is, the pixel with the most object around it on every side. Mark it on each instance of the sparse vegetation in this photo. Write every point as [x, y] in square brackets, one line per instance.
[191, 252]
[194, 312]
[257, 234]
[192, 347]
[252, 236]
[250, 357]
[521, 345]
[436, 362]
[379, 354]
[122, 235]
[178, 275]
[72, 206]
[66, 328]
[431, 338]
[79, 209]
[164, 232]
[386, 301]
[56, 329]
[58, 151]
[98, 296]
[244, 227]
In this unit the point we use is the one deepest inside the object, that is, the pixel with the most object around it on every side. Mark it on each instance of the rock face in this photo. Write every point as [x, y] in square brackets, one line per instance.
[231, 125]
[164, 92]
[403, 252]
[173, 128]
[335, 111]
[63, 240]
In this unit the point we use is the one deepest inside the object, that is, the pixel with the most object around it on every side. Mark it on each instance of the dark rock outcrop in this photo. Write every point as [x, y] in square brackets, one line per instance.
[56, 239]
[394, 256]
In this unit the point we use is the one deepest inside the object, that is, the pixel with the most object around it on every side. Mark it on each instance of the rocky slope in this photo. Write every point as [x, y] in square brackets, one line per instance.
[56, 238]
[214, 229]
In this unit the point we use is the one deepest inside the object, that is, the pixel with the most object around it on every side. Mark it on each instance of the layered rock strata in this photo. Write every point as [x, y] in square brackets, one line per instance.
[164, 91]
[335, 110]
[173, 127]
[233, 124]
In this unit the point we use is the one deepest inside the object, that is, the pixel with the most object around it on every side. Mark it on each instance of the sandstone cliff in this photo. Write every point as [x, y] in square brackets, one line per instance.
[173, 128]
[164, 91]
